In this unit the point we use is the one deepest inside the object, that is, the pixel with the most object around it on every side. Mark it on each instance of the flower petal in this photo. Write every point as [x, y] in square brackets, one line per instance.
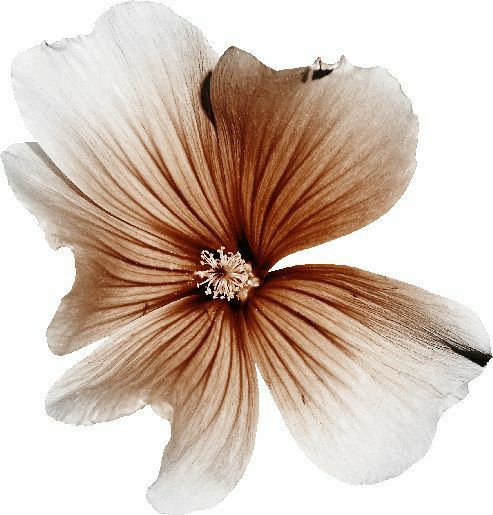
[122, 271]
[312, 153]
[186, 359]
[362, 366]
[121, 113]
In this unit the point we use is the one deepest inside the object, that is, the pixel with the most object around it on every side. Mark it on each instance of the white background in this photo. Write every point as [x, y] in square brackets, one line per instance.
[437, 237]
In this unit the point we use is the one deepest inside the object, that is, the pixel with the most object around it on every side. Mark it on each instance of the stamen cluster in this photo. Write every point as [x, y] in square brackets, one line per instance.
[227, 277]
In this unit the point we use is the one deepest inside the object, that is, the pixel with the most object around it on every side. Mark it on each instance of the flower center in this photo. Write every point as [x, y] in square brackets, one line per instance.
[229, 276]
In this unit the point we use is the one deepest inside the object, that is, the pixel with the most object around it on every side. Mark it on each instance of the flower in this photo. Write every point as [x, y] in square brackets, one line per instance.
[178, 180]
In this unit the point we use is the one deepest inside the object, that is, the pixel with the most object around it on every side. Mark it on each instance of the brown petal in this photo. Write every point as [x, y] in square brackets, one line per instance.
[120, 112]
[186, 359]
[309, 154]
[122, 271]
[362, 366]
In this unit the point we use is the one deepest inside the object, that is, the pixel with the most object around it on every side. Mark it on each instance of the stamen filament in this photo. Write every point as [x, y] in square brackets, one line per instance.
[227, 277]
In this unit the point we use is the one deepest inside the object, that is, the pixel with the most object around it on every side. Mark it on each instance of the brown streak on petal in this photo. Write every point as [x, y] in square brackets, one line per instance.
[189, 361]
[361, 366]
[120, 113]
[120, 269]
[308, 161]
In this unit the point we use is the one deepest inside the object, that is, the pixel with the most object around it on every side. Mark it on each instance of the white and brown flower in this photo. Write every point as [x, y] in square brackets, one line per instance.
[164, 168]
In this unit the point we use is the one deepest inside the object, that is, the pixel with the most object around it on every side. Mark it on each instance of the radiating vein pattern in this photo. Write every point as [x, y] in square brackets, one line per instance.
[362, 366]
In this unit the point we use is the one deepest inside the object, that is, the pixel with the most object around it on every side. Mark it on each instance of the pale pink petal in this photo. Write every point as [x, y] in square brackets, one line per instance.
[122, 271]
[122, 113]
[189, 362]
[309, 154]
[362, 366]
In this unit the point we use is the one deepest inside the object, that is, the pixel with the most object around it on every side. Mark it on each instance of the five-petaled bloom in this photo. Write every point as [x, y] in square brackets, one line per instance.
[179, 179]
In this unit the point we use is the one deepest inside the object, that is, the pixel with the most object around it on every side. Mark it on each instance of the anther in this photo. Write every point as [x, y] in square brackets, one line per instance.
[229, 276]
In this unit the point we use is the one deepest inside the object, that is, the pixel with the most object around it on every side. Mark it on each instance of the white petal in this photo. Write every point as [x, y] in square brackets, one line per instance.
[187, 360]
[121, 113]
[362, 366]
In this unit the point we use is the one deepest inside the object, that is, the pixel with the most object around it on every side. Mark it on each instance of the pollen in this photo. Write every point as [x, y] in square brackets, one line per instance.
[228, 277]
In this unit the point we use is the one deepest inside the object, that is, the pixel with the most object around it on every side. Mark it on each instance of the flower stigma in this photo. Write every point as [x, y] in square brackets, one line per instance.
[228, 277]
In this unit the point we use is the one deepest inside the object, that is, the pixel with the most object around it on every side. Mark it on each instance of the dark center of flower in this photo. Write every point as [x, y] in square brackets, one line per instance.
[229, 276]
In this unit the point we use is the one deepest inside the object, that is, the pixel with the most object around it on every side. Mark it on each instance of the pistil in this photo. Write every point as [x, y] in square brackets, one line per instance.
[228, 277]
